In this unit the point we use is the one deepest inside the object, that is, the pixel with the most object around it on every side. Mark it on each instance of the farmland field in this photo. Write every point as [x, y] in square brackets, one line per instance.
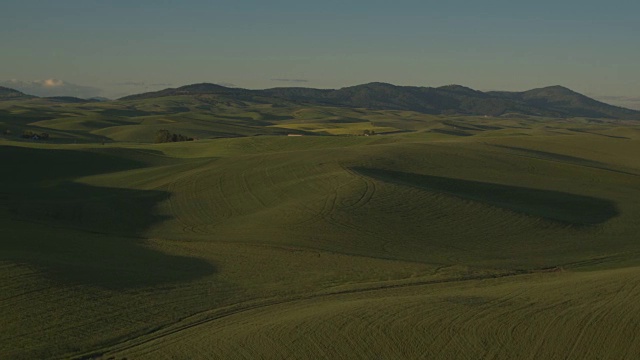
[446, 237]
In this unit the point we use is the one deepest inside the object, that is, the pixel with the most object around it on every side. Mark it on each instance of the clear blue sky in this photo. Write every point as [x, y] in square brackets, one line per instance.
[590, 46]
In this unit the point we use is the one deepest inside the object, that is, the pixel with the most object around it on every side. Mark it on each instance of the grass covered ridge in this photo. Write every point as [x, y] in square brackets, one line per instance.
[519, 240]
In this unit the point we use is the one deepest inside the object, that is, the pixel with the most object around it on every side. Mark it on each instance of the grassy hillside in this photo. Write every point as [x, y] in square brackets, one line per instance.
[550, 316]
[448, 237]
[209, 116]
[438, 236]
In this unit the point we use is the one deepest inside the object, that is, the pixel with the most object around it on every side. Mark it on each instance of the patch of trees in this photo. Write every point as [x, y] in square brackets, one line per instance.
[368, 132]
[164, 136]
[28, 134]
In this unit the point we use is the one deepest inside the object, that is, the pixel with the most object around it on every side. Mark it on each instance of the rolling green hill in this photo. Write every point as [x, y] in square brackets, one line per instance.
[437, 236]
[217, 227]
[205, 111]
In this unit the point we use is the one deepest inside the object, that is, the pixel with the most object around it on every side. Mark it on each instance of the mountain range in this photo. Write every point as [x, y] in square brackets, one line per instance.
[552, 101]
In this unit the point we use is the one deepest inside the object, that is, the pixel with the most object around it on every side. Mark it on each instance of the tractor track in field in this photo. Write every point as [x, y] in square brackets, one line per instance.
[171, 329]
[332, 205]
[249, 190]
[171, 189]
[369, 192]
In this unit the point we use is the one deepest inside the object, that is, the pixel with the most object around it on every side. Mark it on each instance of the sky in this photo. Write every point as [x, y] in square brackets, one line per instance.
[113, 48]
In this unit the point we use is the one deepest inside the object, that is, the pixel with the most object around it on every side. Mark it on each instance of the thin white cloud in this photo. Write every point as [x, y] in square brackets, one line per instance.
[52, 83]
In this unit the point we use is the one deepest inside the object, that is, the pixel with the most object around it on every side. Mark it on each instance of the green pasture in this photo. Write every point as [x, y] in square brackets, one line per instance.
[452, 237]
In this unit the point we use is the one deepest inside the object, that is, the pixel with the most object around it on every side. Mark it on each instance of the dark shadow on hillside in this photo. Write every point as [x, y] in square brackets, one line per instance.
[551, 156]
[29, 166]
[81, 234]
[451, 132]
[124, 112]
[599, 134]
[576, 210]
[538, 154]
[470, 127]
[343, 120]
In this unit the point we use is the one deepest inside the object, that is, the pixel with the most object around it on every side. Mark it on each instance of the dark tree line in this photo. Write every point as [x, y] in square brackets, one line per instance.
[164, 136]
[28, 134]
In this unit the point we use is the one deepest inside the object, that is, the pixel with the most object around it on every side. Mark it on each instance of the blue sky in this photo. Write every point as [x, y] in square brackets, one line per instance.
[129, 46]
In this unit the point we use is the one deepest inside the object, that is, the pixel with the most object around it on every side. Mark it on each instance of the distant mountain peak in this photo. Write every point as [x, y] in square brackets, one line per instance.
[203, 87]
[9, 93]
[558, 87]
[554, 88]
[372, 85]
[455, 87]
[460, 89]
[6, 90]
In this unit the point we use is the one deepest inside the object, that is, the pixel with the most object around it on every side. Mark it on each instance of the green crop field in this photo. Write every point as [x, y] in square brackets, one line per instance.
[452, 237]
